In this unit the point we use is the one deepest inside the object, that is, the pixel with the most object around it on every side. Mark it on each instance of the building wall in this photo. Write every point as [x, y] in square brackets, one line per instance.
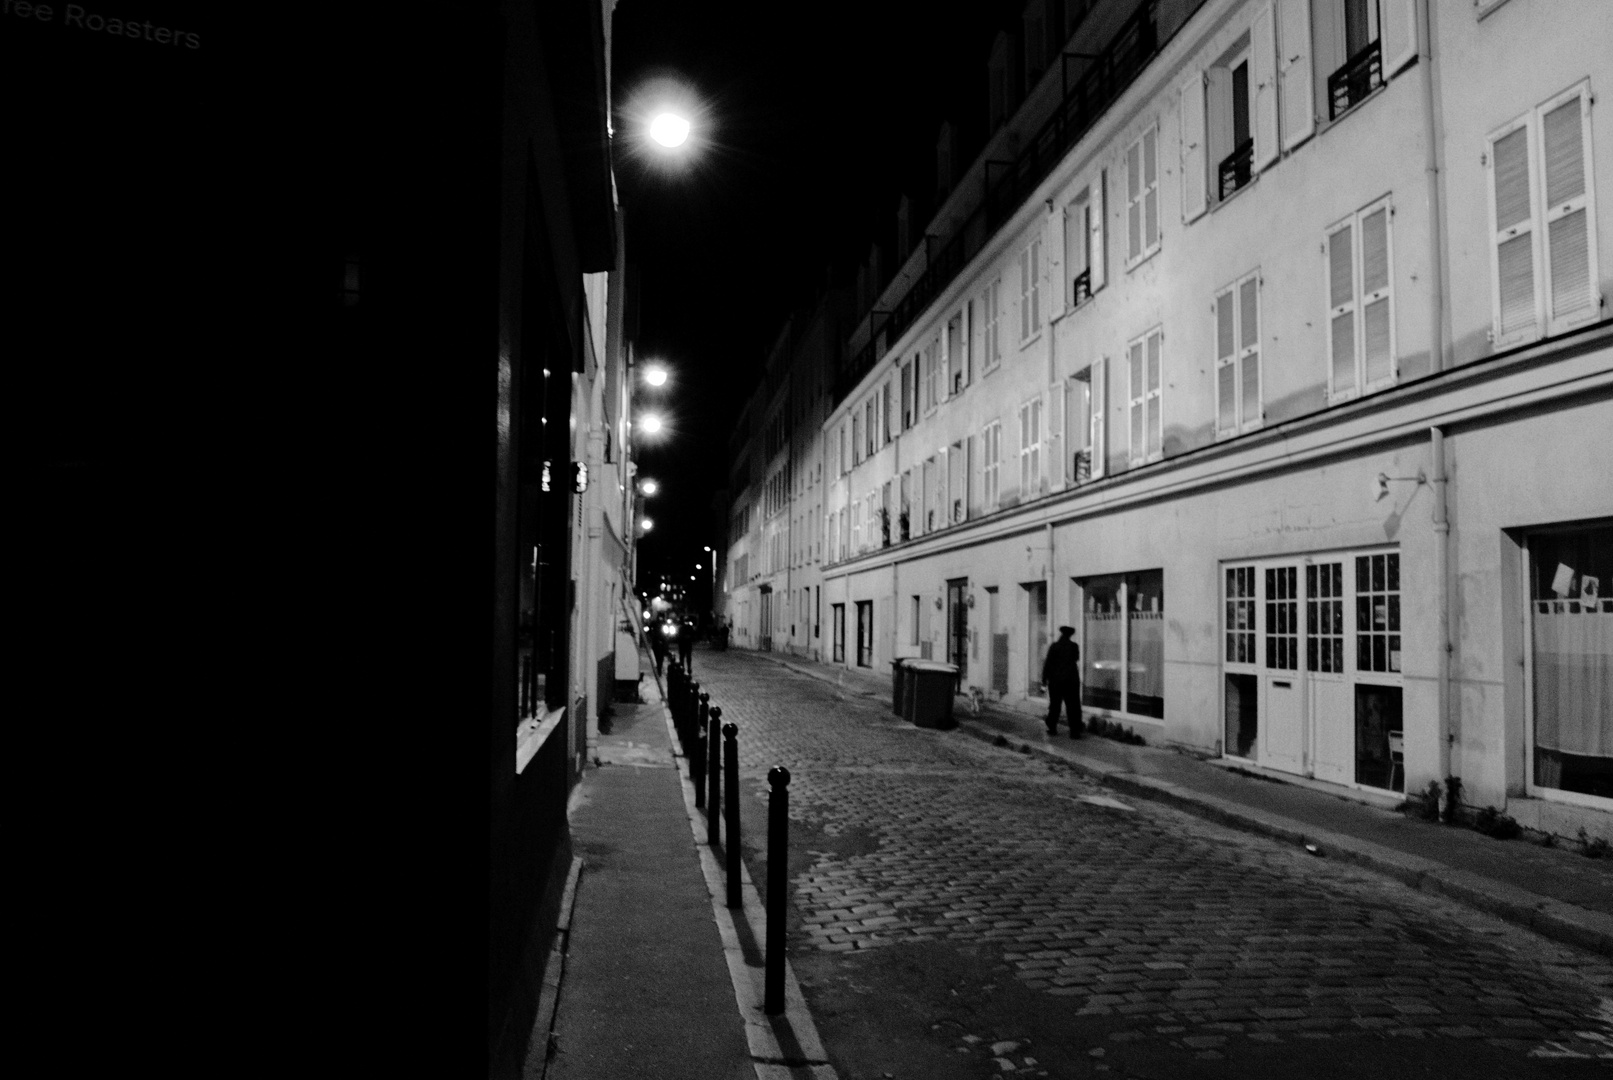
[1298, 479]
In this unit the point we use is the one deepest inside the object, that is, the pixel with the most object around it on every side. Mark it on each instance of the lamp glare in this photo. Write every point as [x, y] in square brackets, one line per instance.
[669, 129]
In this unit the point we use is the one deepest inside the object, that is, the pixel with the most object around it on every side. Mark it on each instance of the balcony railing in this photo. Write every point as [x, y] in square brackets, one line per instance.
[1236, 167]
[1360, 75]
[1008, 184]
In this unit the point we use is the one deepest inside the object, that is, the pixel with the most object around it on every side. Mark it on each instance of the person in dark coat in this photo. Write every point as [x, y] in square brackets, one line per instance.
[686, 647]
[1061, 678]
[657, 638]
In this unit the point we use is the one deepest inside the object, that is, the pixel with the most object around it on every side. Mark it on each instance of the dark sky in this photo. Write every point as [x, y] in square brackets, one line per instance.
[817, 118]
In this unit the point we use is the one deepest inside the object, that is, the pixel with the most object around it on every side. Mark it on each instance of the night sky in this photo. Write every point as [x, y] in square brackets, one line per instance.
[816, 118]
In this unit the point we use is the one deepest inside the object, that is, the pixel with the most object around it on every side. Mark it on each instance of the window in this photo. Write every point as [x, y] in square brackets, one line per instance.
[1146, 429]
[1570, 625]
[915, 612]
[885, 425]
[1361, 339]
[929, 374]
[1237, 357]
[1030, 448]
[1030, 290]
[856, 437]
[907, 395]
[992, 448]
[1123, 627]
[837, 626]
[1231, 142]
[856, 528]
[1543, 249]
[957, 368]
[865, 633]
[1142, 197]
[1349, 57]
[1083, 243]
[1377, 612]
[870, 435]
[991, 302]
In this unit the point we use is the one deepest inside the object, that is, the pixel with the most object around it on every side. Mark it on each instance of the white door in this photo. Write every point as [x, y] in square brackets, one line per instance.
[1331, 704]
[1283, 705]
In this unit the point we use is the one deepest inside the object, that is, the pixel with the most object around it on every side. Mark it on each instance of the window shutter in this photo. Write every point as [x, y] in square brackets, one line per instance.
[1341, 308]
[1249, 411]
[1036, 285]
[1194, 136]
[943, 489]
[1377, 328]
[1100, 407]
[1564, 136]
[1397, 34]
[1095, 249]
[1513, 242]
[1226, 370]
[1294, 71]
[1054, 437]
[1025, 294]
[974, 501]
[1154, 379]
[1151, 187]
[1138, 392]
[1263, 76]
[1134, 206]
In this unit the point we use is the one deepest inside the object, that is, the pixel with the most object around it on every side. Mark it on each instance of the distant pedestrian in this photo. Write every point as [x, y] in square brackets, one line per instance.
[686, 647]
[658, 645]
[1061, 678]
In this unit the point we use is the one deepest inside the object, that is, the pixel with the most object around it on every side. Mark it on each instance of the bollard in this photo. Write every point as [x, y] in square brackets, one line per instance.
[691, 698]
[778, 862]
[697, 759]
[730, 751]
[714, 777]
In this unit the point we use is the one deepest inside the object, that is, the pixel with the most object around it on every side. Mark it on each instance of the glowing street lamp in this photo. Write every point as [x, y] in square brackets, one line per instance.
[655, 376]
[646, 524]
[650, 424]
[669, 129]
[649, 487]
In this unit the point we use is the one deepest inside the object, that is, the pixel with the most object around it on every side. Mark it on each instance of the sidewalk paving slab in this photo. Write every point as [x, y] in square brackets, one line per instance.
[1557, 893]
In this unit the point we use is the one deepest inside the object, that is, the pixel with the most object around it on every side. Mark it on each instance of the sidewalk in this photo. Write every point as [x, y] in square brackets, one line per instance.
[654, 976]
[1558, 893]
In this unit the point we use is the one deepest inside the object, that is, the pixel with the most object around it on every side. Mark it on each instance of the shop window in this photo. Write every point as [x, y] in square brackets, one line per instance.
[1571, 659]
[837, 626]
[1123, 631]
[1377, 612]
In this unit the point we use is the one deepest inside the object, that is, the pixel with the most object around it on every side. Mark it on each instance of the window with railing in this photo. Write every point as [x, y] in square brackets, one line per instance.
[1360, 75]
[1236, 168]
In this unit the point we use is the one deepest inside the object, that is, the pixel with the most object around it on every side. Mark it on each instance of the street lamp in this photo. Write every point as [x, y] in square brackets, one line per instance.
[650, 423]
[646, 524]
[655, 375]
[669, 129]
[649, 487]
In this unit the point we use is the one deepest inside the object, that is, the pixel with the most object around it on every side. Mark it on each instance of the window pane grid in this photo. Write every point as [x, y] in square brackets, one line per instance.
[1377, 612]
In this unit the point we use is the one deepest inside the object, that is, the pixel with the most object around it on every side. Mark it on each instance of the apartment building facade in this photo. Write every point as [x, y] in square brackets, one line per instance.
[1285, 380]
[772, 589]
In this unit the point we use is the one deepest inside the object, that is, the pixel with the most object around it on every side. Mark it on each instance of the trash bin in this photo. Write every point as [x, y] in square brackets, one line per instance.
[898, 685]
[928, 699]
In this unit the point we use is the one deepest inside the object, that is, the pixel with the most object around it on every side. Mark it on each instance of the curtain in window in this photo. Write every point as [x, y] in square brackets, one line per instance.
[1102, 622]
[1571, 616]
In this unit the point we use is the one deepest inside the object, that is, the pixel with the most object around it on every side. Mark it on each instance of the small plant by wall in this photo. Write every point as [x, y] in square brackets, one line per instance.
[1108, 729]
[1593, 847]
[1493, 822]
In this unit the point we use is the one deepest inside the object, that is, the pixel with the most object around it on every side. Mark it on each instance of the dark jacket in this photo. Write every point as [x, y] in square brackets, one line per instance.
[1063, 664]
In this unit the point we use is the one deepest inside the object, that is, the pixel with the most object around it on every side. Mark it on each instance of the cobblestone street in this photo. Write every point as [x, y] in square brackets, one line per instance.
[963, 909]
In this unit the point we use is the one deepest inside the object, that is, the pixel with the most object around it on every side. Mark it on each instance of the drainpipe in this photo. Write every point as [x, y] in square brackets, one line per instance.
[1052, 600]
[1436, 221]
[1442, 540]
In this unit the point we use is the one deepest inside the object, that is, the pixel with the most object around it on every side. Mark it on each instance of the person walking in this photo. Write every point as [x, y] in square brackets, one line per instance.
[657, 636]
[1061, 678]
[686, 647]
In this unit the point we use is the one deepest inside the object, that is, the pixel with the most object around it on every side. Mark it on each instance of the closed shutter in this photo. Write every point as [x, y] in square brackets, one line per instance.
[1249, 409]
[1514, 258]
[1138, 393]
[1151, 187]
[1025, 294]
[1341, 308]
[1294, 71]
[1226, 367]
[1095, 249]
[976, 502]
[957, 491]
[1194, 137]
[1134, 205]
[1377, 312]
[1397, 34]
[1263, 77]
[1564, 134]
[1155, 420]
[1036, 285]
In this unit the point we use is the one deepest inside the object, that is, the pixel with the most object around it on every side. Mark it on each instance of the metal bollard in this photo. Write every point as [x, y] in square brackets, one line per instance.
[730, 750]
[778, 862]
[691, 699]
[697, 758]
[714, 777]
